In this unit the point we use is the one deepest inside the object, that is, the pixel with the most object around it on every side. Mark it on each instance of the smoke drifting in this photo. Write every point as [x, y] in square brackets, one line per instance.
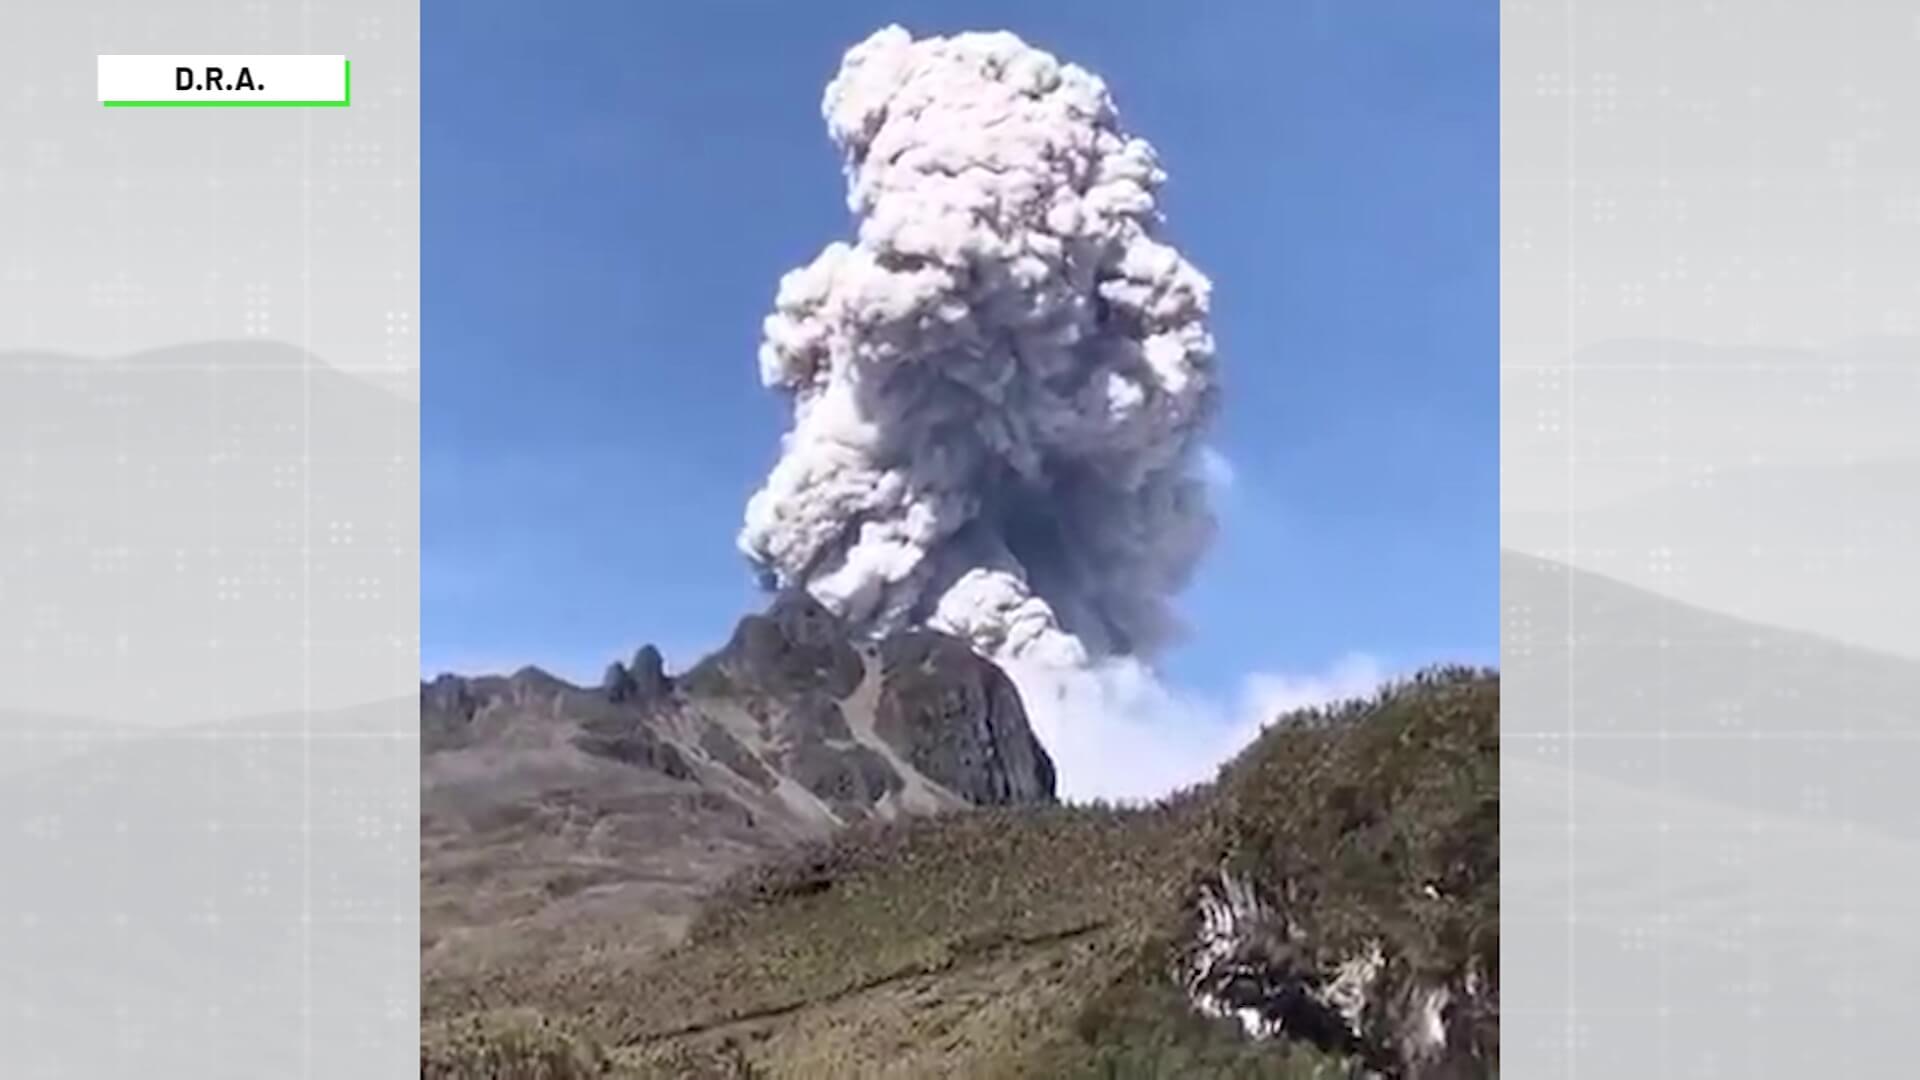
[999, 386]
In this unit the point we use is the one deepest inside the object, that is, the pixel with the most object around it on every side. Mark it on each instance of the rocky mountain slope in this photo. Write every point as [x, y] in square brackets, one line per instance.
[557, 819]
[726, 874]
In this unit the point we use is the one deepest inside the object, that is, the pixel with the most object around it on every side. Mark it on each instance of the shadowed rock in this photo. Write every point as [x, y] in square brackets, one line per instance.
[641, 682]
[957, 718]
[796, 646]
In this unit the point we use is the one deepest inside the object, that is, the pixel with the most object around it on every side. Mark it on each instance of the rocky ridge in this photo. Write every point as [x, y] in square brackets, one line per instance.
[551, 810]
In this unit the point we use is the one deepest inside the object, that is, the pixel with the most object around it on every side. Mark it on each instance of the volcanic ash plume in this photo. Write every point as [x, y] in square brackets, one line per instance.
[998, 387]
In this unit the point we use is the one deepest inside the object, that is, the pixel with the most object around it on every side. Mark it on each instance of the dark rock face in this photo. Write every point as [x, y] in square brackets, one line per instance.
[617, 684]
[957, 718]
[642, 682]
[649, 674]
[951, 715]
[796, 647]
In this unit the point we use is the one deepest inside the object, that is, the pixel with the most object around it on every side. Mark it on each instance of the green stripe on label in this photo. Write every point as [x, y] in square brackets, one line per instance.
[345, 101]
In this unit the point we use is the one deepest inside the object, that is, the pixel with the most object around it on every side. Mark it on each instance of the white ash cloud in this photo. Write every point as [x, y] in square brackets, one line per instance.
[1000, 385]
[1118, 731]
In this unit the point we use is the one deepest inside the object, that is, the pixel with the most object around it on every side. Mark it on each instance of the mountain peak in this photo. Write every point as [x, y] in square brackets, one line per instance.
[639, 793]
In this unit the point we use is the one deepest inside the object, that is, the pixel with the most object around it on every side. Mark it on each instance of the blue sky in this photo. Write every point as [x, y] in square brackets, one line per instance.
[613, 190]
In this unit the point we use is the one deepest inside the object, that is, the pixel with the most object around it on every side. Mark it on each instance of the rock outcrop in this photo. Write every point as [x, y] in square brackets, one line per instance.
[957, 718]
[1355, 906]
[1250, 962]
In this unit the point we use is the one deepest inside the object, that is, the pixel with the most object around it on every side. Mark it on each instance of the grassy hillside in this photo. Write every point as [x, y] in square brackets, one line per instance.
[1042, 941]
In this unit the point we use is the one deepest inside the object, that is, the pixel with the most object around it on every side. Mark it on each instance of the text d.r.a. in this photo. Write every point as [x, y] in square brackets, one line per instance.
[214, 78]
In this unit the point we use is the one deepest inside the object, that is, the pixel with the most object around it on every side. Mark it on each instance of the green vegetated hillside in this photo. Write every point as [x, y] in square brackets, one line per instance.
[1061, 941]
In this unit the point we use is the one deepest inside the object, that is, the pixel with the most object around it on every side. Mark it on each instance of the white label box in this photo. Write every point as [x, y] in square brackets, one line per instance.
[226, 80]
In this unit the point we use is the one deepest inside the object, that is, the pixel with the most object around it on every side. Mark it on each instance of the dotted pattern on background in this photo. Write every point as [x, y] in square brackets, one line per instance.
[209, 556]
[1711, 501]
